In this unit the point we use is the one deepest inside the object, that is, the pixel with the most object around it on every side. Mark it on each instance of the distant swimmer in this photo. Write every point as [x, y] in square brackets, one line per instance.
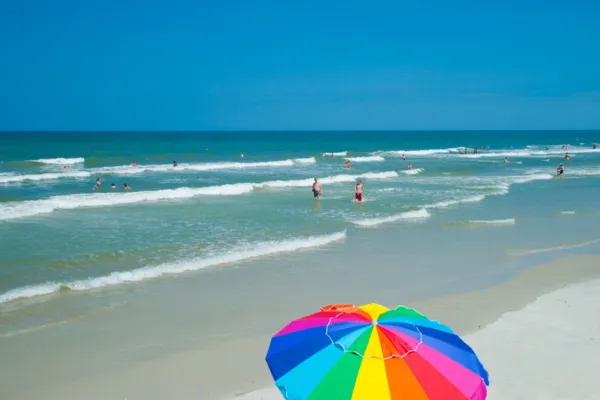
[317, 189]
[409, 167]
[403, 157]
[567, 156]
[174, 163]
[560, 170]
[358, 190]
[65, 167]
[134, 164]
[475, 151]
[347, 165]
[594, 146]
[505, 159]
[113, 186]
[97, 185]
[126, 187]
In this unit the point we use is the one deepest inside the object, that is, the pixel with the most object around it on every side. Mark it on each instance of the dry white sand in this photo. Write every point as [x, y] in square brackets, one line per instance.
[549, 350]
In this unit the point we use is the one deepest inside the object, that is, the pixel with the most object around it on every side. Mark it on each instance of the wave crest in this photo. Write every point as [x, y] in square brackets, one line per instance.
[365, 159]
[28, 208]
[43, 177]
[235, 255]
[409, 215]
[59, 161]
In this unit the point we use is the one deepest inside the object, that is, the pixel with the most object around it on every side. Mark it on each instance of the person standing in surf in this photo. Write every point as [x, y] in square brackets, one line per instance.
[358, 190]
[97, 185]
[317, 189]
[560, 170]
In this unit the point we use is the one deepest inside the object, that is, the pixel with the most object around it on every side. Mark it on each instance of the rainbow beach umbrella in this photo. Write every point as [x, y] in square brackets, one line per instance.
[344, 352]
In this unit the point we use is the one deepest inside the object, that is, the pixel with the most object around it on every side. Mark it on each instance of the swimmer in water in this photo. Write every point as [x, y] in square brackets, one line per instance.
[567, 156]
[505, 159]
[317, 189]
[347, 165]
[403, 157]
[134, 164]
[65, 167]
[113, 186]
[174, 163]
[409, 167]
[97, 185]
[126, 187]
[358, 190]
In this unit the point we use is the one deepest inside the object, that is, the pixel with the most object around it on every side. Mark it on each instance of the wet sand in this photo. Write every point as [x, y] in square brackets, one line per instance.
[229, 362]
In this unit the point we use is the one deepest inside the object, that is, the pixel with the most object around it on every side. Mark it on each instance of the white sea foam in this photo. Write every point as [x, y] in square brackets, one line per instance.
[415, 171]
[531, 178]
[365, 159]
[450, 203]
[60, 161]
[508, 221]
[583, 171]
[528, 153]
[409, 215]
[237, 254]
[15, 210]
[417, 153]
[567, 212]
[307, 160]
[337, 154]
[43, 177]
[378, 175]
[129, 170]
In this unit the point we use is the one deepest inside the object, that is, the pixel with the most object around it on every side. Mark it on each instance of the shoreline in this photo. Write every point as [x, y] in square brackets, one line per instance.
[232, 365]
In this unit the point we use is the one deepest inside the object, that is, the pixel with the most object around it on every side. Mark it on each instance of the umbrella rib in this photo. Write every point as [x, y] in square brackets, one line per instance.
[333, 342]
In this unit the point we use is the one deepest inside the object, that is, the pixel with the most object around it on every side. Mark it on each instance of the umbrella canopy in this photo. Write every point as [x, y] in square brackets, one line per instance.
[372, 353]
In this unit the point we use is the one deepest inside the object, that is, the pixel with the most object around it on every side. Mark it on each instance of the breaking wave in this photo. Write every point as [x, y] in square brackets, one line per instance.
[129, 170]
[417, 153]
[366, 159]
[409, 215]
[15, 210]
[415, 171]
[43, 177]
[116, 278]
[59, 161]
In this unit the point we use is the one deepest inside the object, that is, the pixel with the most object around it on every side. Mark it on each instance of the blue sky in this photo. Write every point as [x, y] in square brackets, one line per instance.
[266, 64]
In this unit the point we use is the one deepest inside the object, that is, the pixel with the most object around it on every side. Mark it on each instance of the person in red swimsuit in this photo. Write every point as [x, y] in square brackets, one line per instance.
[358, 190]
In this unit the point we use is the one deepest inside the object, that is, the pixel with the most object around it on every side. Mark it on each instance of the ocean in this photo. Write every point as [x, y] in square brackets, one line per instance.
[60, 239]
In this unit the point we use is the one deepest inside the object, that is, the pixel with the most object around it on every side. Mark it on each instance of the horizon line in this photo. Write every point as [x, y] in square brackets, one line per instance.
[292, 130]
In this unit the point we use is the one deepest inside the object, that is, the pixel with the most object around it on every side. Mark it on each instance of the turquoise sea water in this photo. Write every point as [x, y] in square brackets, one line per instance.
[59, 237]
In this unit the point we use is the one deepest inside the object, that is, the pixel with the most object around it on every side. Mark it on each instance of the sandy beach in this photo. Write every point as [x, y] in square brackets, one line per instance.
[537, 325]
[547, 350]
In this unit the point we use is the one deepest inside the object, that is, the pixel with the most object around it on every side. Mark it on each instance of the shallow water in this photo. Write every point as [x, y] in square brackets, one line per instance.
[60, 237]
